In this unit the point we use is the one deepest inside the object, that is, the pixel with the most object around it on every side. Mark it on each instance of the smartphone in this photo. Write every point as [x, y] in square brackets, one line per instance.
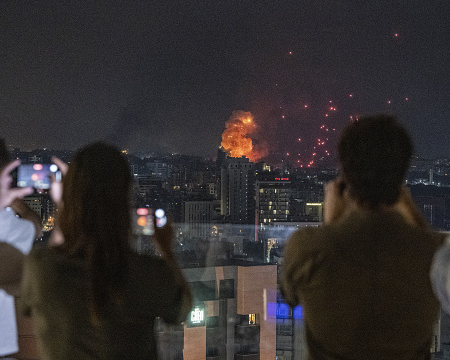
[37, 176]
[144, 220]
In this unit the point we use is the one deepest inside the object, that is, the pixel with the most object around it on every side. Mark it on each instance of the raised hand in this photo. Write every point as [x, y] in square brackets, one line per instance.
[8, 194]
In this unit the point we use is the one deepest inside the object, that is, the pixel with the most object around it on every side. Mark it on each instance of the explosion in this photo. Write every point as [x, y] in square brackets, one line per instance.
[236, 139]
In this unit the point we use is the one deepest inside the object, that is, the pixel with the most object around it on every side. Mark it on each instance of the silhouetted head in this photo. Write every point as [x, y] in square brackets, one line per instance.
[96, 198]
[374, 154]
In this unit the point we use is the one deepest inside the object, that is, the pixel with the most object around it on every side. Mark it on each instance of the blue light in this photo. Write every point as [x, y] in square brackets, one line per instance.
[298, 312]
[281, 311]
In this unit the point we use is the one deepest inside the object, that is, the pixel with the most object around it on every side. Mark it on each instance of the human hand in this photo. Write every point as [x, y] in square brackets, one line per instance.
[56, 189]
[335, 200]
[8, 194]
[408, 209]
[163, 238]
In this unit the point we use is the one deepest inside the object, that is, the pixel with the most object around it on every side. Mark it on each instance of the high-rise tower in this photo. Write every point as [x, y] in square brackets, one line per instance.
[237, 190]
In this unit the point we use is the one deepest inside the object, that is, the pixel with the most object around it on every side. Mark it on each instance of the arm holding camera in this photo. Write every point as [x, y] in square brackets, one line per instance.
[163, 238]
[16, 235]
[56, 191]
[408, 209]
[336, 200]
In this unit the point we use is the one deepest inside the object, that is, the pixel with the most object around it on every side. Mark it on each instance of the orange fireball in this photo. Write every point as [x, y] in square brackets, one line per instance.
[236, 139]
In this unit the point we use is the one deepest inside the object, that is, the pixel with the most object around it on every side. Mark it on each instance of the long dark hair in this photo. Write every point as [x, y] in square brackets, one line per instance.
[95, 219]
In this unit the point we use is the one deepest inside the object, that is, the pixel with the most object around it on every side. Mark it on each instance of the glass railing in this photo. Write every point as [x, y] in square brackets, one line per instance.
[238, 312]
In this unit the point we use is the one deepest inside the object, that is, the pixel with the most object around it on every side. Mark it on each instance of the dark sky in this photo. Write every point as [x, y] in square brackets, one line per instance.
[162, 75]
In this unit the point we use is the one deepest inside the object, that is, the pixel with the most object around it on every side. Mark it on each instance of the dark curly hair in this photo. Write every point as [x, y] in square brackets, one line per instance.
[374, 153]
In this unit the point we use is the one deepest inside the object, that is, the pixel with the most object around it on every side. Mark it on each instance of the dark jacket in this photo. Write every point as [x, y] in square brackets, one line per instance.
[365, 287]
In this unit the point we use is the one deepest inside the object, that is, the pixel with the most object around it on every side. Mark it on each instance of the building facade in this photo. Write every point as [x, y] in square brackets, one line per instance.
[237, 191]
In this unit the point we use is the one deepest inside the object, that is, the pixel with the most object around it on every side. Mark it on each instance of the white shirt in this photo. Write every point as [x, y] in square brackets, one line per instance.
[20, 234]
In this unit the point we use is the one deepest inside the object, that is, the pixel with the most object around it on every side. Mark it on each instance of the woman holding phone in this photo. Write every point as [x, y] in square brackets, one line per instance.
[90, 295]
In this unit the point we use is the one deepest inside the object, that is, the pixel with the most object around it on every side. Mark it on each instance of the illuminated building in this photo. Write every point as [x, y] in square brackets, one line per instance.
[233, 314]
[314, 211]
[272, 199]
[42, 205]
[237, 190]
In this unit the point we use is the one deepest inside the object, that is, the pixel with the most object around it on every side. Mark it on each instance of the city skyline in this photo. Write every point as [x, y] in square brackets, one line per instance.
[167, 77]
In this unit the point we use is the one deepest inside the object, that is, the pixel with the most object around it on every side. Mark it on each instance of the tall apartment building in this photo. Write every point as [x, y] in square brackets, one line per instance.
[198, 215]
[272, 199]
[237, 190]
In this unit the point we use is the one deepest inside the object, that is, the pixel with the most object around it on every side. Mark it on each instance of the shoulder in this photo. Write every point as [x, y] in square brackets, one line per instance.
[305, 247]
[306, 240]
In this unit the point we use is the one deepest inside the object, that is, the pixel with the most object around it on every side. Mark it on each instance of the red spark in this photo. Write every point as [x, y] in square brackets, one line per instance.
[306, 106]
[406, 99]
[351, 95]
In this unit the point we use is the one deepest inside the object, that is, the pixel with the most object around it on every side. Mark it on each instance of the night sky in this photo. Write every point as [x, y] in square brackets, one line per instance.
[166, 76]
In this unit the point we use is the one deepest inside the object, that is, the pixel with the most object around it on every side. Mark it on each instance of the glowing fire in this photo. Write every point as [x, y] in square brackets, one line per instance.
[236, 139]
